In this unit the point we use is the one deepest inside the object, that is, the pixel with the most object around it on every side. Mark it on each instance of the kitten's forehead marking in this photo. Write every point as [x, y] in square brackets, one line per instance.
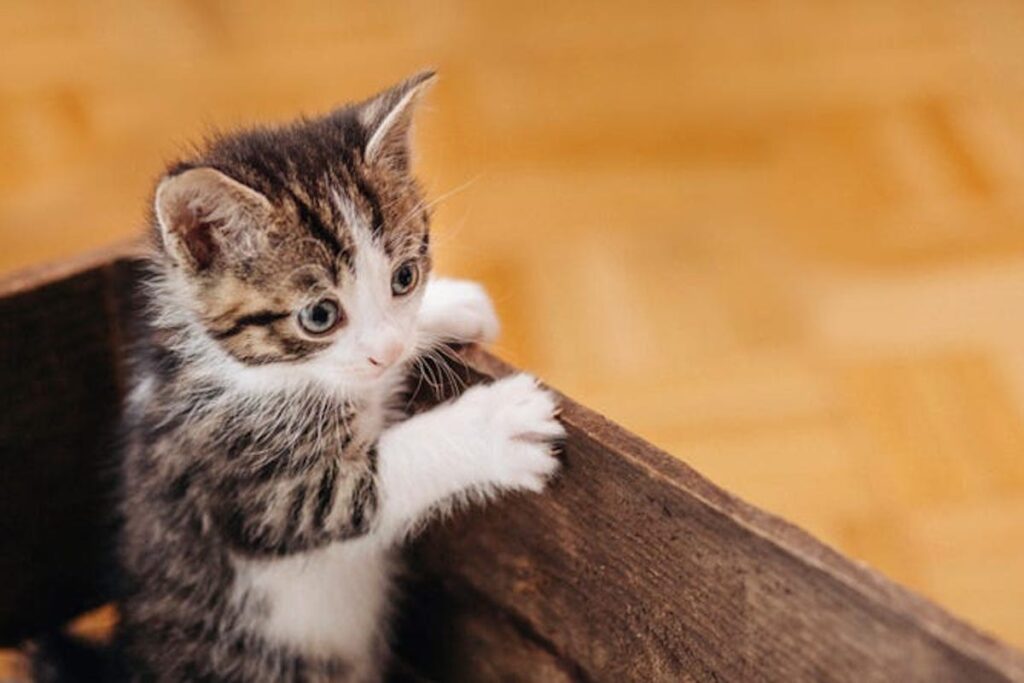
[347, 208]
[371, 258]
[353, 221]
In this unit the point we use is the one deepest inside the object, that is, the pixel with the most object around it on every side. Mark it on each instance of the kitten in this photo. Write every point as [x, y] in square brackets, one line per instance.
[268, 475]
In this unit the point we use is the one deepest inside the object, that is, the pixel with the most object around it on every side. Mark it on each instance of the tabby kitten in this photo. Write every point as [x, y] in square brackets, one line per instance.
[268, 474]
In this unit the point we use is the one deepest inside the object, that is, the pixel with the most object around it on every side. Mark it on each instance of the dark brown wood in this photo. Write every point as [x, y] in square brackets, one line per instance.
[449, 634]
[631, 567]
[59, 399]
[634, 567]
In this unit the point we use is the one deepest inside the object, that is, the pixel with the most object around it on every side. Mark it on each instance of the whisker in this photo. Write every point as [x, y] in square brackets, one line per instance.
[427, 206]
[440, 353]
[423, 372]
[419, 381]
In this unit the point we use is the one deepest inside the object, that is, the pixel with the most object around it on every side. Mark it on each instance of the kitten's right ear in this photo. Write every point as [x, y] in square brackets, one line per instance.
[387, 118]
[202, 213]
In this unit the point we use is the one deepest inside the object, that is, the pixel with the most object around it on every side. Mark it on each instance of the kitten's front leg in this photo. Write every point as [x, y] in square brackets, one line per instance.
[456, 311]
[494, 437]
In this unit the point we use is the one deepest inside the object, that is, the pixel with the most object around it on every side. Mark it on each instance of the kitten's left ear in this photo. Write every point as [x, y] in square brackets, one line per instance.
[387, 118]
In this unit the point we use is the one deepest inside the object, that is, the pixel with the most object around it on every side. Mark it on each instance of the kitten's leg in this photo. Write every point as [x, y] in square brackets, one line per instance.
[456, 311]
[494, 437]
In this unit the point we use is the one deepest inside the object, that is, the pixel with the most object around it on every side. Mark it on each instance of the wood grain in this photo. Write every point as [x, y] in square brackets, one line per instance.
[634, 567]
[631, 567]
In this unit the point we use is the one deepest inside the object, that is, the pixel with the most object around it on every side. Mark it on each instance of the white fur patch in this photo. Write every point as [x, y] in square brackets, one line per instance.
[491, 438]
[331, 601]
[457, 310]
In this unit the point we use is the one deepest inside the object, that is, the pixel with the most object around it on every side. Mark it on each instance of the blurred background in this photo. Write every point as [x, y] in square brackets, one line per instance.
[783, 241]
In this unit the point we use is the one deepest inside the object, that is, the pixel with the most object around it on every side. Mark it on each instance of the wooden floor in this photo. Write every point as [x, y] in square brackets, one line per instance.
[784, 241]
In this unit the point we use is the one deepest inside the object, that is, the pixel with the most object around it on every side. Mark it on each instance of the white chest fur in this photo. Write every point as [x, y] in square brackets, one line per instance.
[330, 602]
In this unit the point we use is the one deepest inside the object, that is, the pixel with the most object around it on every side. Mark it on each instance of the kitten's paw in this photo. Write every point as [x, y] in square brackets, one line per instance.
[458, 311]
[518, 418]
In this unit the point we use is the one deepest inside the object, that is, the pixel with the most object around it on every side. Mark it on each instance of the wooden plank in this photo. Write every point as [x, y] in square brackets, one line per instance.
[59, 399]
[449, 634]
[61, 329]
[634, 567]
[631, 567]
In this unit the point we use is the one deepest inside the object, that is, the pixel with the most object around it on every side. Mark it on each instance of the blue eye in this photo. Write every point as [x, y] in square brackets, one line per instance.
[404, 279]
[321, 317]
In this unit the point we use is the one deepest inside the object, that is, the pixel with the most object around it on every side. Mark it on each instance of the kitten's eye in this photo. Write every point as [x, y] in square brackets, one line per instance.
[404, 279]
[321, 317]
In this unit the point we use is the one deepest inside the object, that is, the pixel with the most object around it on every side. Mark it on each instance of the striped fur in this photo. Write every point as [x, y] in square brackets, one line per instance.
[266, 472]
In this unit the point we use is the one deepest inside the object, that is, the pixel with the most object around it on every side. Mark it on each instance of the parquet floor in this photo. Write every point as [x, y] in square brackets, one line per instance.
[784, 241]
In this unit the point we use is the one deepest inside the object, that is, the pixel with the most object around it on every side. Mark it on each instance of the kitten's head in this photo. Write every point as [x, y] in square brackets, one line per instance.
[304, 247]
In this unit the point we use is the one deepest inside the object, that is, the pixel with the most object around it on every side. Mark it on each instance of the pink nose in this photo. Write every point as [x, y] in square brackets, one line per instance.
[387, 355]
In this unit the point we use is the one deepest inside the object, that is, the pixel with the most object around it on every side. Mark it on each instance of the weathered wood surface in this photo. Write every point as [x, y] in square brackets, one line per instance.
[632, 566]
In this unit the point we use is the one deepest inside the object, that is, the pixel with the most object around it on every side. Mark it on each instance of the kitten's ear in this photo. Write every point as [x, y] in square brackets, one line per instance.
[387, 118]
[202, 213]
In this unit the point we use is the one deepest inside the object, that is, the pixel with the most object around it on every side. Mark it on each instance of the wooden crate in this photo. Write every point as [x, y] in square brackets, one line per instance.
[632, 567]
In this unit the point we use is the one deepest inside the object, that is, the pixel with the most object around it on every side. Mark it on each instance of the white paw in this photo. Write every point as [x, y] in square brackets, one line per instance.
[519, 428]
[458, 311]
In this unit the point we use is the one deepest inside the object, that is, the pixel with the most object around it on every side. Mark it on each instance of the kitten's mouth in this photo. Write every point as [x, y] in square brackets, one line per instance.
[375, 371]
[364, 374]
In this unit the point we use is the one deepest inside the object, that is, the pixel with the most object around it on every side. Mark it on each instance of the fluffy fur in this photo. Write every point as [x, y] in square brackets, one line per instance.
[269, 472]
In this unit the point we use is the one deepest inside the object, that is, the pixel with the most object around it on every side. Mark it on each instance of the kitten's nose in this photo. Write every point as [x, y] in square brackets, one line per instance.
[386, 356]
